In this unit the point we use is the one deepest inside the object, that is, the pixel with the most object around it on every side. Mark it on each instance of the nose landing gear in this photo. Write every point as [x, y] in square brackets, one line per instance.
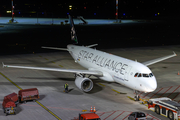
[137, 95]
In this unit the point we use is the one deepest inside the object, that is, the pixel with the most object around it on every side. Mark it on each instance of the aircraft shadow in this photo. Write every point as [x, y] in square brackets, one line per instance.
[96, 88]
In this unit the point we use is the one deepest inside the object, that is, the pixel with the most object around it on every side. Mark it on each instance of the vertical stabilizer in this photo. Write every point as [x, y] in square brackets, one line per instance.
[73, 32]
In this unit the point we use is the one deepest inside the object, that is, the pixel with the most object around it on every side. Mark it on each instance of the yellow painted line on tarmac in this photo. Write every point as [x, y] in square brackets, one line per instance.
[11, 81]
[53, 62]
[118, 91]
[60, 65]
[48, 110]
[40, 56]
[131, 98]
[101, 84]
[115, 91]
[36, 100]
[45, 58]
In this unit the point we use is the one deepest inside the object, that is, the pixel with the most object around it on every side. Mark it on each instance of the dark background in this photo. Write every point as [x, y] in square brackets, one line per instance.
[153, 29]
[133, 9]
[30, 38]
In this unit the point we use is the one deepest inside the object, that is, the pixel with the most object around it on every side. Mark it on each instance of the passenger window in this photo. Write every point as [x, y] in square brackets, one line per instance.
[136, 75]
[140, 75]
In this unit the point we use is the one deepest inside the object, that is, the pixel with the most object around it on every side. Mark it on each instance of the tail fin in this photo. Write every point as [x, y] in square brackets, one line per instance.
[73, 32]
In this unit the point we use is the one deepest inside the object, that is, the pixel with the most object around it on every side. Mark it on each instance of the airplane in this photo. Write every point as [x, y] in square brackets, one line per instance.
[105, 66]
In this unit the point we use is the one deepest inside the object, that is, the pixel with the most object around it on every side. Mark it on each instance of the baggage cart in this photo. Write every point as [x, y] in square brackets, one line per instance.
[28, 94]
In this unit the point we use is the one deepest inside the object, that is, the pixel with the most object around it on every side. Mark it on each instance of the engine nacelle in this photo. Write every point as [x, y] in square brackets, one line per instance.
[84, 84]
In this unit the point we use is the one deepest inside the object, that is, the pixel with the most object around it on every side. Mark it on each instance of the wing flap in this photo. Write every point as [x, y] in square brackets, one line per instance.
[147, 63]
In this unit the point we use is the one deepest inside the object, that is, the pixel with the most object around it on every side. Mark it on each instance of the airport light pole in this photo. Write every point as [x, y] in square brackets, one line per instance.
[12, 11]
[116, 9]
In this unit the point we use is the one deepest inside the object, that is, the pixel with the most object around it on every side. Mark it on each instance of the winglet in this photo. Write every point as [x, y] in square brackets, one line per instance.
[3, 65]
[174, 53]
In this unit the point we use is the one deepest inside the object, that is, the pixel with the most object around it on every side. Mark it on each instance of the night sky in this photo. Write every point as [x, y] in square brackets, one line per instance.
[128, 9]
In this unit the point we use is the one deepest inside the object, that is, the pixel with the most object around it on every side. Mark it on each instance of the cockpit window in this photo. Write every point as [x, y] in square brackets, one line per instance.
[140, 75]
[145, 75]
[151, 75]
[136, 75]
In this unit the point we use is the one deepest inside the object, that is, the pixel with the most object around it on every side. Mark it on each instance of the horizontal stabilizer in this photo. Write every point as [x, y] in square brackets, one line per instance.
[92, 45]
[55, 48]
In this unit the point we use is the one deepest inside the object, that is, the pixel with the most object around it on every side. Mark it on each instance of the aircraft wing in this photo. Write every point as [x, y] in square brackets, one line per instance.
[147, 63]
[77, 71]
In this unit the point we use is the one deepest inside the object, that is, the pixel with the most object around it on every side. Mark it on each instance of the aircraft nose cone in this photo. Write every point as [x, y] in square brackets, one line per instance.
[152, 85]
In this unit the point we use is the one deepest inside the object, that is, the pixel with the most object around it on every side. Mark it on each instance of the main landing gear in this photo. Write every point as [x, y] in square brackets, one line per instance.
[137, 95]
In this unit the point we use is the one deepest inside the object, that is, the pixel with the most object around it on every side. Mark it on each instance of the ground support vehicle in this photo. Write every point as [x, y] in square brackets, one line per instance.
[137, 116]
[28, 94]
[9, 106]
[13, 97]
[166, 107]
[88, 116]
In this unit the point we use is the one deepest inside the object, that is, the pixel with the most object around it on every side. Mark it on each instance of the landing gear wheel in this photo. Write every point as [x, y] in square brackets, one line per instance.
[137, 98]
[171, 115]
[157, 110]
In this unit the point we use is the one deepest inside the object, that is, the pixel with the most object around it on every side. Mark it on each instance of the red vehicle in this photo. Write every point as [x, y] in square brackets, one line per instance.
[13, 97]
[89, 116]
[28, 94]
[9, 106]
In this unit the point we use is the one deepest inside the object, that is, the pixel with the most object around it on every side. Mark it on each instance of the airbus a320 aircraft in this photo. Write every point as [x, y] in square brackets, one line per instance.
[107, 67]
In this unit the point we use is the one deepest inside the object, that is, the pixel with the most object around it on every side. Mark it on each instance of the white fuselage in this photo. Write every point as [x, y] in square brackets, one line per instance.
[114, 68]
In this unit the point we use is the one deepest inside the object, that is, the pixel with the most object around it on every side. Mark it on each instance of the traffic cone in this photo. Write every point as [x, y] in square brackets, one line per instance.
[91, 109]
[178, 73]
[94, 109]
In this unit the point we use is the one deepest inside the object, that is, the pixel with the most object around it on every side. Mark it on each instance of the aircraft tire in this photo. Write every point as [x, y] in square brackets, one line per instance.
[157, 109]
[171, 115]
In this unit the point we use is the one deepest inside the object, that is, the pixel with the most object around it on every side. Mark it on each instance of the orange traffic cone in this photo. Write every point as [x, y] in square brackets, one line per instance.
[178, 73]
[91, 109]
[94, 109]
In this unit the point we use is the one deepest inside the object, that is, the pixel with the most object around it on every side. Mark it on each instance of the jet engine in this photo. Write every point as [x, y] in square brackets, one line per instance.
[84, 84]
